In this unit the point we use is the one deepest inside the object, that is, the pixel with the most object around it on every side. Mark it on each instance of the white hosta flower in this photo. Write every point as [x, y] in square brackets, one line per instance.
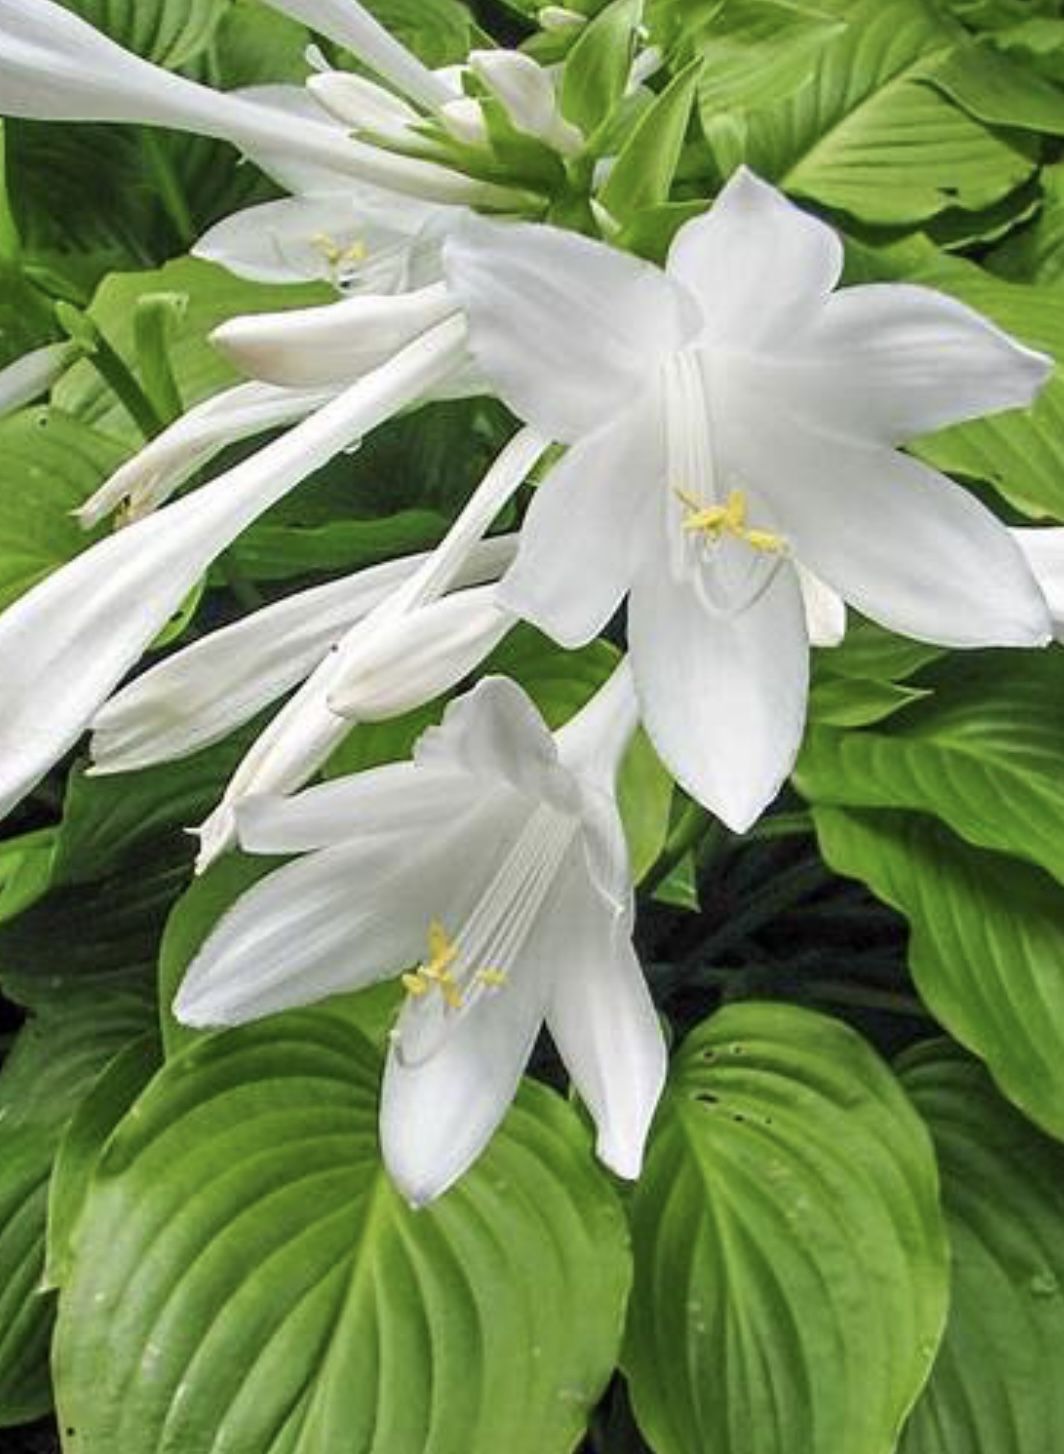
[53, 66]
[65, 645]
[33, 375]
[150, 477]
[728, 420]
[205, 691]
[309, 727]
[526, 91]
[492, 870]
[362, 105]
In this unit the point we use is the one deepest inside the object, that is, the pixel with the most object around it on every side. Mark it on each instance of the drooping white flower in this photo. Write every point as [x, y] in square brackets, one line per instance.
[728, 420]
[492, 868]
[1043, 549]
[527, 93]
[405, 651]
[33, 374]
[54, 66]
[200, 694]
[65, 644]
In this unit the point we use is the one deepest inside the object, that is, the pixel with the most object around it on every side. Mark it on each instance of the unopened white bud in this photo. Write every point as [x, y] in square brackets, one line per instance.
[465, 121]
[557, 17]
[412, 658]
[527, 92]
[361, 104]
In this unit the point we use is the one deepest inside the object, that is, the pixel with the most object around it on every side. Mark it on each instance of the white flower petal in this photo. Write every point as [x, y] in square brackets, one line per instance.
[890, 361]
[568, 330]
[33, 374]
[151, 476]
[66, 643]
[399, 798]
[606, 1028]
[586, 530]
[1043, 550]
[438, 1115]
[351, 25]
[759, 266]
[494, 731]
[722, 697]
[359, 236]
[900, 542]
[825, 610]
[331, 922]
[362, 104]
[333, 343]
[526, 90]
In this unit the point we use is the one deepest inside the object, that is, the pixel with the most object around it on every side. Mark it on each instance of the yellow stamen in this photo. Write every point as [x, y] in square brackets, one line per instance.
[335, 255]
[716, 521]
[415, 985]
[435, 973]
[494, 978]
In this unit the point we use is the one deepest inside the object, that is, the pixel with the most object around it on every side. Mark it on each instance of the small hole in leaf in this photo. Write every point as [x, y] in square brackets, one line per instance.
[707, 1098]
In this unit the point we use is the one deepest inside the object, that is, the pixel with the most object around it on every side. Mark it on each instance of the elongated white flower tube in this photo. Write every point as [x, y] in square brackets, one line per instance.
[497, 860]
[362, 104]
[352, 26]
[202, 693]
[55, 67]
[33, 374]
[307, 729]
[66, 644]
[731, 419]
[150, 477]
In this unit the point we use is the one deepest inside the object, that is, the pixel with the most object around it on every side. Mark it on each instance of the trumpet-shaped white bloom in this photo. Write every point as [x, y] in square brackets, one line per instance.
[729, 419]
[526, 91]
[205, 691]
[492, 868]
[65, 644]
[53, 66]
[406, 650]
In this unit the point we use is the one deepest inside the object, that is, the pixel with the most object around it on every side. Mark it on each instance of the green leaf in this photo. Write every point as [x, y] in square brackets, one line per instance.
[643, 173]
[760, 51]
[170, 32]
[1000, 92]
[597, 68]
[438, 31]
[986, 945]
[985, 754]
[49, 464]
[199, 370]
[791, 1265]
[870, 136]
[995, 1384]
[849, 701]
[25, 1314]
[291, 1301]
[1037, 253]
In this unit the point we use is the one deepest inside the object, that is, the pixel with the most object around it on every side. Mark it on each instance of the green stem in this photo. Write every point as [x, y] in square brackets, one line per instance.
[782, 825]
[839, 992]
[10, 242]
[244, 590]
[171, 193]
[690, 828]
[782, 892]
[111, 368]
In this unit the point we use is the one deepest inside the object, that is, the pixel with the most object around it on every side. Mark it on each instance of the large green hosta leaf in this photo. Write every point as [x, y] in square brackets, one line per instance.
[790, 1259]
[984, 752]
[996, 1385]
[871, 135]
[270, 1291]
[986, 947]
[168, 31]
[49, 464]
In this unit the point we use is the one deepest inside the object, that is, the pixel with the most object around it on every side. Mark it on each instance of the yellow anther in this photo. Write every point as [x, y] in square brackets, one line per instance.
[436, 973]
[494, 978]
[336, 255]
[716, 521]
[415, 985]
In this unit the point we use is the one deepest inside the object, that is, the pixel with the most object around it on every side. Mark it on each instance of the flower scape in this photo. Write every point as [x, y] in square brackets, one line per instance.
[531, 726]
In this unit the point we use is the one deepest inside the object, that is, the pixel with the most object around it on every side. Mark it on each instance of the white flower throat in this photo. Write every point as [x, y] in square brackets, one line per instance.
[458, 971]
[718, 538]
